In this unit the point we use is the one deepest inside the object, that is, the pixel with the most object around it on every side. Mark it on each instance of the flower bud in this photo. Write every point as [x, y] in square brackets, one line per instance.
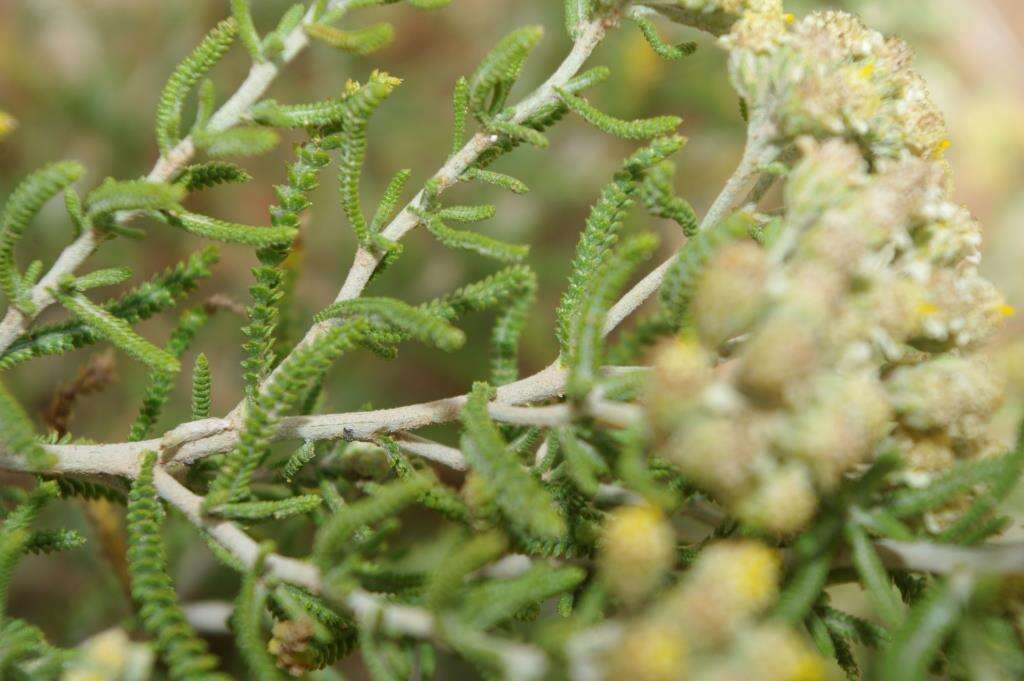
[637, 548]
[716, 452]
[948, 392]
[781, 353]
[731, 582]
[771, 652]
[648, 651]
[682, 369]
[730, 293]
[783, 503]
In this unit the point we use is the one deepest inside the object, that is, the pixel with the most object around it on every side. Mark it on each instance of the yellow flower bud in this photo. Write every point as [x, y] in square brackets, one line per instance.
[782, 504]
[7, 124]
[682, 369]
[730, 583]
[649, 651]
[637, 548]
[770, 652]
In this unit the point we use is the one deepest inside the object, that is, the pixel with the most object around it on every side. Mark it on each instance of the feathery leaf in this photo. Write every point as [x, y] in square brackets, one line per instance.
[180, 647]
[232, 233]
[185, 76]
[117, 331]
[362, 41]
[472, 241]
[22, 205]
[523, 501]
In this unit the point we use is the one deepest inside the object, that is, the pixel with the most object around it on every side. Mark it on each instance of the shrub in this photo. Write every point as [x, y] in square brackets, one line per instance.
[805, 405]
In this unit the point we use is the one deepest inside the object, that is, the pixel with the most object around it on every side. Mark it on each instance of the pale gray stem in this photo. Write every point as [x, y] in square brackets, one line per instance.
[366, 262]
[759, 152]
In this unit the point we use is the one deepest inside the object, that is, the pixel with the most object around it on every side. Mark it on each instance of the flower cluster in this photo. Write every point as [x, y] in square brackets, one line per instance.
[706, 627]
[829, 75]
[853, 327]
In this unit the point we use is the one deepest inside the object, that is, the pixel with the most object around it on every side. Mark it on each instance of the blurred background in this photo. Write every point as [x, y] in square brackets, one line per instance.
[82, 77]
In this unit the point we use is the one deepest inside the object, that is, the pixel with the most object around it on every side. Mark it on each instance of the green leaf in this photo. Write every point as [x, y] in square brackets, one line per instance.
[917, 643]
[966, 526]
[499, 600]
[586, 344]
[583, 463]
[873, 576]
[160, 383]
[467, 213]
[641, 128]
[460, 107]
[322, 114]
[233, 233]
[385, 503]
[603, 228]
[117, 331]
[274, 43]
[22, 205]
[472, 241]
[490, 83]
[185, 76]
[142, 302]
[359, 106]
[498, 179]
[116, 195]
[17, 434]
[242, 13]
[236, 141]
[206, 105]
[52, 541]
[362, 41]
[803, 589]
[278, 509]
[71, 487]
[523, 501]
[963, 476]
[389, 201]
[659, 199]
[517, 132]
[111, 276]
[414, 322]
[206, 175]
[184, 652]
[201, 388]
[73, 205]
[15, 536]
[247, 624]
[303, 455]
[663, 49]
[295, 375]
[471, 555]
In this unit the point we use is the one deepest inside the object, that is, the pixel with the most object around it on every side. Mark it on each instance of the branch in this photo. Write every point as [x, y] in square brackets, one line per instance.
[261, 75]
[365, 261]
[195, 440]
[758, 153]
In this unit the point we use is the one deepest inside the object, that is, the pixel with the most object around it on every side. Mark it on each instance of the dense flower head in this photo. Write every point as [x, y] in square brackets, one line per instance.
[708, 626]
[853, 329]
[829, 75]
